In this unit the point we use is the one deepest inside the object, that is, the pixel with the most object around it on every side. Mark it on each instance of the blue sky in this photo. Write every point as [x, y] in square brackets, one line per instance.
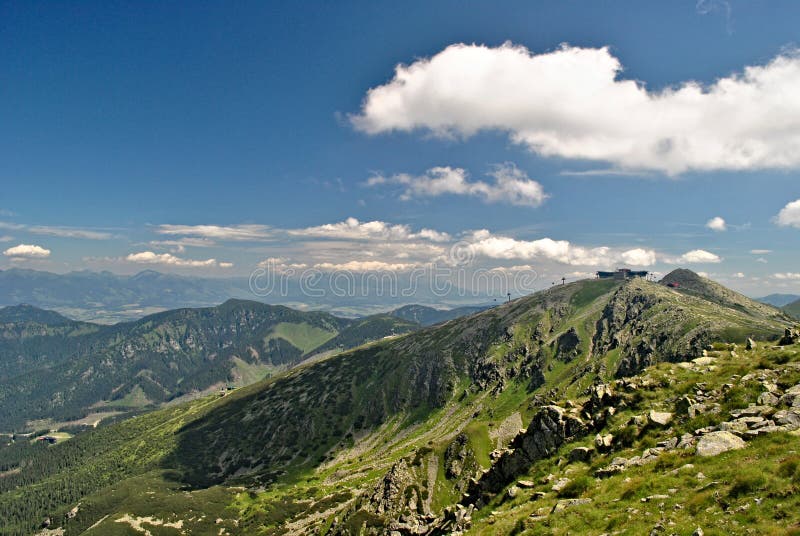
[169, 135]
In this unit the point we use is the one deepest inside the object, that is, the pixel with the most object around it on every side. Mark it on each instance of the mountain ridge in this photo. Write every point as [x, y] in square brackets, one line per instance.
[391, 434]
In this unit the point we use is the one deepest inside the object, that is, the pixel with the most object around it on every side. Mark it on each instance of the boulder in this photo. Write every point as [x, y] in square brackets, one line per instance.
[790, 336]
[661, 418]
[715, 443]
[581, 454]
[751, 344]
[603, 442]
[768, 399]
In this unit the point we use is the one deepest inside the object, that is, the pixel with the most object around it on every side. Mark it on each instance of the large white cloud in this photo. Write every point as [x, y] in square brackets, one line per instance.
[27, 251]
[574, 103]
[789, 216]
[510, 185]
[149, 257]
[561, 251]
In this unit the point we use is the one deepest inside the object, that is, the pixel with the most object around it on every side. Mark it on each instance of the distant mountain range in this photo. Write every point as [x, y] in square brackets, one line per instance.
[106, 297]
[790, 303]
[55, 368]
[779, 300]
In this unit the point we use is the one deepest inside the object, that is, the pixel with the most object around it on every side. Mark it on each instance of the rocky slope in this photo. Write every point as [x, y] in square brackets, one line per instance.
[423, 434]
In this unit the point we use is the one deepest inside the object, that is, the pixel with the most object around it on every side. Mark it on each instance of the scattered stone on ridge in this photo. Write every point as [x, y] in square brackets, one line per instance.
[661, 418]
[715, 443]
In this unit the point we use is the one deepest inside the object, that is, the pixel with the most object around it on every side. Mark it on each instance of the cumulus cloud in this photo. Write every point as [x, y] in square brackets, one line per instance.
[561, 251]
[27, 251]
[698, 256]
[352, 229]
[789, 216]
[717, 224]
[574, 103]
[149, 257]
[250, 232]
[510, 185]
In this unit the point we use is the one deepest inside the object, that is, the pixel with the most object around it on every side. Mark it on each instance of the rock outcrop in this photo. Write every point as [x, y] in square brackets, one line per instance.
[550, 428]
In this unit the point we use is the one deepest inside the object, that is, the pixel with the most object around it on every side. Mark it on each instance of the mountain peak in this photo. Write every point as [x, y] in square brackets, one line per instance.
[28, 313]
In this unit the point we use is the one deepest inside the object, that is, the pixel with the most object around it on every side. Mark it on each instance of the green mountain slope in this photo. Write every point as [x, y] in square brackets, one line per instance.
[53, 368]
[428, 316]
[793, 309]
[393, 435]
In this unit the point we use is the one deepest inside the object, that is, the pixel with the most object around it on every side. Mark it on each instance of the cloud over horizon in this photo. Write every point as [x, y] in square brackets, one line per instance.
[27, 251]
[149, 257]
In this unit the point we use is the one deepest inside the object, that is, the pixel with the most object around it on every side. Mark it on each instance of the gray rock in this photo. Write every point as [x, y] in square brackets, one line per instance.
[560, 484]
[768, 399]
[715, 443]
[698, 531]
[749, 346]
[753, 411]
[668, 444]
[603, 442]
[581, 454]
[733, 426]
[563, 504]
[661, 418]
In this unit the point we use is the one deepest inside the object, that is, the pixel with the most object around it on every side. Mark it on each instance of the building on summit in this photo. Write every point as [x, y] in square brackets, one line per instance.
[621, 273]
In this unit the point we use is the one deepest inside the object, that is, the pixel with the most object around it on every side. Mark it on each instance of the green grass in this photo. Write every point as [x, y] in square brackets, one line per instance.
[248, 373]
[135, 398]
[301, 335]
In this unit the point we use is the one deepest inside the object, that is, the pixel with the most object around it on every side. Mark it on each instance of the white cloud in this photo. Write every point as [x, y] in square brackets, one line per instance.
[697, 256]
[251, 232]
[69, 232]
[62, 232]
[639, 257]
[717, 224]
[789, 216]
[561, 251]
[762, 260]
[352, 229]
[738, 275]
[281, 265]
[760, 251]
[27, 251]
[511, 185]
[6, 238]
[149, 257]
[364, 266]
[787, 276]
[574, 103]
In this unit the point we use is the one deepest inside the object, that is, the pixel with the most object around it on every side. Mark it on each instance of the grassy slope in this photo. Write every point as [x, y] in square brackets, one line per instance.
[334, 455]
[793, 309]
